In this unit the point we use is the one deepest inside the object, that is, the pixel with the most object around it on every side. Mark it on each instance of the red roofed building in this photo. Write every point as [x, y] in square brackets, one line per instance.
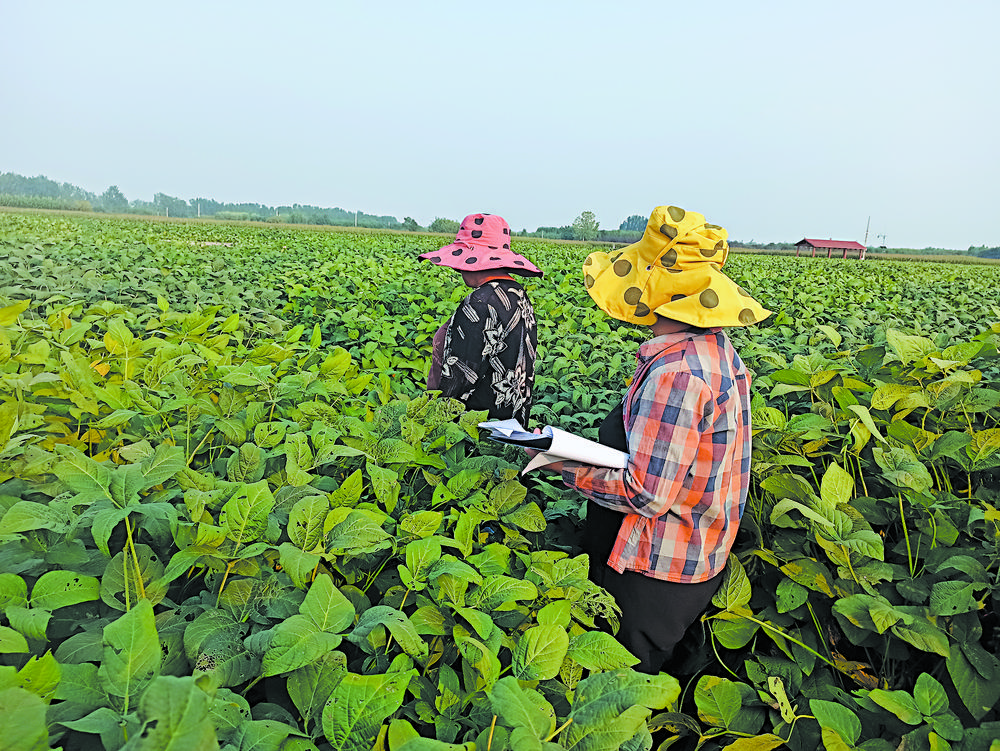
[830, 246]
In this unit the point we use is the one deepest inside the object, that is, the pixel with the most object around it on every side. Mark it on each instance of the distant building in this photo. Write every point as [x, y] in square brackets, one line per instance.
[830, 246]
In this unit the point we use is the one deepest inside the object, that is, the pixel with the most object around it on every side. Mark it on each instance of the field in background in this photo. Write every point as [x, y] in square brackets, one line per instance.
[221, 487]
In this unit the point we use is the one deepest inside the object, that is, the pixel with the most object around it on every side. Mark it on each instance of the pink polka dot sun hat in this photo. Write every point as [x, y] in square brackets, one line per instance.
[482, 243]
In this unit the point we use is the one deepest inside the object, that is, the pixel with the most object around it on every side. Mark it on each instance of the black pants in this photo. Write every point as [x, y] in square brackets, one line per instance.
[655, 613]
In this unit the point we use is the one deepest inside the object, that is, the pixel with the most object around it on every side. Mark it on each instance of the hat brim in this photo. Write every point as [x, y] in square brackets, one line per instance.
[629, 289]
[463, 256]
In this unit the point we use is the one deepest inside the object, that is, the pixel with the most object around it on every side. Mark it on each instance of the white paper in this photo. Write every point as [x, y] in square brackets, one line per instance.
[563, 447]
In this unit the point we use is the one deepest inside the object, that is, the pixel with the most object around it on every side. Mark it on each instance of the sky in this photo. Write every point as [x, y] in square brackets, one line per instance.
[776, 120]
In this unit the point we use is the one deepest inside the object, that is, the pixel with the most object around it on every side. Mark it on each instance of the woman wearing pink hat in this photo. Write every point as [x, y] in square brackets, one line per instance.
[485, 354]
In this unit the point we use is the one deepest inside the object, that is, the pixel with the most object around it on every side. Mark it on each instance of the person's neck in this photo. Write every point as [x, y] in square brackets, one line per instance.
[478, 278]
[668, 326]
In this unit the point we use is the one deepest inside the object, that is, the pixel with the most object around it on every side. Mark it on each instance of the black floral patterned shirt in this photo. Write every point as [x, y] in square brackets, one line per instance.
[489, 351]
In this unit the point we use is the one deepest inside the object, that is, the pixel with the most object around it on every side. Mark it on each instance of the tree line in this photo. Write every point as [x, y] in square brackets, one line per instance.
[42, 193]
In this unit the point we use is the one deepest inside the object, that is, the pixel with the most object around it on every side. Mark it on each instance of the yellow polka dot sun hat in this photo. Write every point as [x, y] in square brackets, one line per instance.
[674, 271]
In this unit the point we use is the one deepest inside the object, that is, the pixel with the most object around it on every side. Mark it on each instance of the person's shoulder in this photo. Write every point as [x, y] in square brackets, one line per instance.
[494, 288]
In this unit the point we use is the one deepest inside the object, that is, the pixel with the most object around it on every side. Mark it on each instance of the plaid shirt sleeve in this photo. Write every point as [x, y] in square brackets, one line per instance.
[665, 438]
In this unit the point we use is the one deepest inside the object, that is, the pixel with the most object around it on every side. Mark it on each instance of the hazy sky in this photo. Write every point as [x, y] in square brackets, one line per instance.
[777, 120]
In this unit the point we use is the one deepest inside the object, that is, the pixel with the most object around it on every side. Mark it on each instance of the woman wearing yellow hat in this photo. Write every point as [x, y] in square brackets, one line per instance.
[660, 530]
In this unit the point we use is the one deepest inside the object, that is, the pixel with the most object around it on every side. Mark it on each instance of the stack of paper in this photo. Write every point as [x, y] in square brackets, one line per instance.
[555, 445]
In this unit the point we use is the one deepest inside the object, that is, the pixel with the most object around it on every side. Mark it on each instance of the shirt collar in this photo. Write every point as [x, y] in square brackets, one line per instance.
[656, 345]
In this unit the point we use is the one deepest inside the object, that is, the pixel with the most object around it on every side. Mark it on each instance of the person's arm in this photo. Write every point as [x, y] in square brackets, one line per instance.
[663, 440]
[462, 360]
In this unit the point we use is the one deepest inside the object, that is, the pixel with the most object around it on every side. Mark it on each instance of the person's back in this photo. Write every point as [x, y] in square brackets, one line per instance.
[488, 360]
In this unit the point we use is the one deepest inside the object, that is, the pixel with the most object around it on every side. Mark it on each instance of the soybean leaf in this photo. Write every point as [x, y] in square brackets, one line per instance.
[900, 703]
[244, 516]
[609, 708]
[517, 709]
[735, 592]
[539, 652]
[359, 705]
[978, 694]
[60, 589]
[11, 642]
[596, 650]
[176, 716]
[310, 686]
[296, 642]
[131, 653]
[305, 522]
[327, 607]
[837, 718]
[398, 625]
[22, 720]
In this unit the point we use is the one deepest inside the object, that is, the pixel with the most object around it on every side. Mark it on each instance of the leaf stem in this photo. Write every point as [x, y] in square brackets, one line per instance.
[906, 534]
[135, 559]
[559, 730]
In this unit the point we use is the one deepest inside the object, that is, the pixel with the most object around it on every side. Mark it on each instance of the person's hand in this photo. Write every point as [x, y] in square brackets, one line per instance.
[531, 452]
[554, 467]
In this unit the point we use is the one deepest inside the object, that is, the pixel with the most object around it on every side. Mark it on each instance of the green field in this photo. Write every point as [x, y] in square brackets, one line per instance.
[230, 517]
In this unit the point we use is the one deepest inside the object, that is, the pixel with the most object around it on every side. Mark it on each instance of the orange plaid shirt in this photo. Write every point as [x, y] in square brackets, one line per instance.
[687, 418]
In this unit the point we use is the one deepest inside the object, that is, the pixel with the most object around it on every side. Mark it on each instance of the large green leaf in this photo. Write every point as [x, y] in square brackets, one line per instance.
[359, 705]
[176, 716]
[327, 607]
[310, 686]
[517, 709]
[128, 579]
[723, 703]
[131, 653]
[539, 652]
[735, 592]
[978, 694]
[902, 468]
[398, 625]
[954, 597]
[837, 718]
[929, 695]
[296, 642]
[306, 520]
[900, 703]
[596, 650]
[60, 589]
[908, 347]
[25, 516]
[498, 592]
[11, 641]
[81, 474]
[837, 486]
[244, 516]
[357, 533]
[22, 721]
[610, 708]
[13, 590]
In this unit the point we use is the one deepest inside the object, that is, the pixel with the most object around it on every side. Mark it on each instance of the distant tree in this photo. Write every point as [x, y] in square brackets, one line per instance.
[410, 224]
[445, 226]
[170, 206]
[585, 226]
[113, 200]
[636, 222]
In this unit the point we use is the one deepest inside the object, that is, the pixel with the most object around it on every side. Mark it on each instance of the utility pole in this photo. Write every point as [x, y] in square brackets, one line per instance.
[866, 229]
